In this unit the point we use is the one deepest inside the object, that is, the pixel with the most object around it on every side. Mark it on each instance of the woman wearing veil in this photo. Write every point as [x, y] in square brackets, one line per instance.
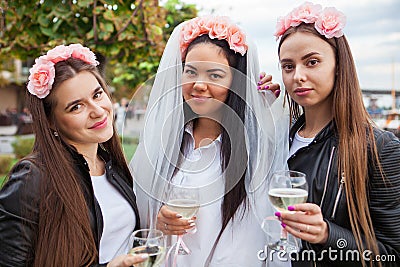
[207, 127]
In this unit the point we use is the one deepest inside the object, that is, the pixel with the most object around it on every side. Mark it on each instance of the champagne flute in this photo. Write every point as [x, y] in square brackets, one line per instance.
[287, 188]
[152, 242]
[185, 201]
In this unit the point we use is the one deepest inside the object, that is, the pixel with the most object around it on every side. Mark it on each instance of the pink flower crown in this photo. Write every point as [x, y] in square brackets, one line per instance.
[328, 22]
[42, 73]
[216, 27]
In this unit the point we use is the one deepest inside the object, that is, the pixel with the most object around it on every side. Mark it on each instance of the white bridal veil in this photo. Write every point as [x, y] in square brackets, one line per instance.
[266, 127]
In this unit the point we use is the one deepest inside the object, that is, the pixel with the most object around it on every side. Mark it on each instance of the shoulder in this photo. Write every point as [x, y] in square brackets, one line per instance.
[386, 140]
[21, 191]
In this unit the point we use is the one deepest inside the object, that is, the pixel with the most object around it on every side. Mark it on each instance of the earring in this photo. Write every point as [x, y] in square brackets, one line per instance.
[55, 134]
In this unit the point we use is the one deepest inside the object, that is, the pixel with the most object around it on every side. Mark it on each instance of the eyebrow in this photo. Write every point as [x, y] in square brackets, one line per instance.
[98, 88]
[302, 58]
[210, 70]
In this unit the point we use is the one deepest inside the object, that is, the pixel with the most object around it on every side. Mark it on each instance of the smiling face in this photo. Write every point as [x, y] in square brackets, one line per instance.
[308, 69]
[206, 79]
[83, 113]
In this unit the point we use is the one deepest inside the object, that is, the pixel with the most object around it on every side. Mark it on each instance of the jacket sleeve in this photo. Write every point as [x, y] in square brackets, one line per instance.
[19, 197]
[384, 206]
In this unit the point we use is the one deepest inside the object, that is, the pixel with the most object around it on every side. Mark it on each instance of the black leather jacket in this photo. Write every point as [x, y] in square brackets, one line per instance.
[17, 232]
[319, 162]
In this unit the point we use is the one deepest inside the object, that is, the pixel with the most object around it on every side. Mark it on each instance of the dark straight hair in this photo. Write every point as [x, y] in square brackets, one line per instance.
[233, 148]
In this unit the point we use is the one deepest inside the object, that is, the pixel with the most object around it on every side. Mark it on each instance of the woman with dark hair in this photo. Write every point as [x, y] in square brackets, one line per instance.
[352, 167]
[208, 128]
[69, 202]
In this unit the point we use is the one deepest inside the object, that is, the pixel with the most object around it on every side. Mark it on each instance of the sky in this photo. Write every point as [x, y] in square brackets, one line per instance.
[372, 30]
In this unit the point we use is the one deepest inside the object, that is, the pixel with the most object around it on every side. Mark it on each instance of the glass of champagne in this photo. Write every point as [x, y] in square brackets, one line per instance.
[151, 242]
[185, 201]
[287, 188]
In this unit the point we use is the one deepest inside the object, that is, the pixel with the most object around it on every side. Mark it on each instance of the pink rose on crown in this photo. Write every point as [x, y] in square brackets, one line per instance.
[330, 22]
[58, 53]
[237, 39]
[282, 25]
[307, 13]
[83, 53]
[189, 32]
[219, 28]
[41, 78]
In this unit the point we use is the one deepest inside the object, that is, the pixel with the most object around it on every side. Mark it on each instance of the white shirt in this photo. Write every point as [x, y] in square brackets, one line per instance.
[118, 218]
[241, 240]
[299, 142]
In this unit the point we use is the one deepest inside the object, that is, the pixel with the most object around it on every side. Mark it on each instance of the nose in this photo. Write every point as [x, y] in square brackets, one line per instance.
[96, 110]
[299, 74]
[200, 85]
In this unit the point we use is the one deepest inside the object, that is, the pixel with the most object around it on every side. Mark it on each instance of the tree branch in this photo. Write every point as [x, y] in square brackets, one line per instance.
[112, 39]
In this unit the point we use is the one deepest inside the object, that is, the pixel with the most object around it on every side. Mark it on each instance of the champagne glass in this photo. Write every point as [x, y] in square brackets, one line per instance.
[185, 201]
[287, 188]
[152, 242]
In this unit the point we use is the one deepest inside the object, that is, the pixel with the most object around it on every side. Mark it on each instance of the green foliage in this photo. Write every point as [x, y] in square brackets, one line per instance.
[22, 146]
[5, 164]
[129, 35]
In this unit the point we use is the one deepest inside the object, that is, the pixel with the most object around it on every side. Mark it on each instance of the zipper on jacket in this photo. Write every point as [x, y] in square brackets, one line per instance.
[339, 193]
[327, 175]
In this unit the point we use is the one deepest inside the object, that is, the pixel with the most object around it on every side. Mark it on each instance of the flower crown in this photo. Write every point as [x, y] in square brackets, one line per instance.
[217, 27]
[42, 73]
[328, 21]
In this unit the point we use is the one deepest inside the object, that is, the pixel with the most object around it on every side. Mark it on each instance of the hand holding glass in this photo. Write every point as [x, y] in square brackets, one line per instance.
[287, 188]
[151, 242]
[185, 201]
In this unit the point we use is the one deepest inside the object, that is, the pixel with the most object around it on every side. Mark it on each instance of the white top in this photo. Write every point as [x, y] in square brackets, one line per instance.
[118, 218]
[299, 142]
[241, 240]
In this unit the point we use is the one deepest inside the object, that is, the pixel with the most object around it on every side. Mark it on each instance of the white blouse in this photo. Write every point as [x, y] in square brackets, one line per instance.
[118, 219]
[241, 240]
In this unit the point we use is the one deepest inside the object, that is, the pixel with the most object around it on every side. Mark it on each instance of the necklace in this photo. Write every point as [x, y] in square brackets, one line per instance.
[310, 134]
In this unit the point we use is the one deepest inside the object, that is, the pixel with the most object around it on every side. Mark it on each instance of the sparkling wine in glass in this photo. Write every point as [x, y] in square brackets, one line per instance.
[185, 201]
[287, 188]
[152, 242]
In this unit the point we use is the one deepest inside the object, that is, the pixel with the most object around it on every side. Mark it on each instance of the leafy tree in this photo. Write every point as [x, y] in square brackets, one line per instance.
[127, 36]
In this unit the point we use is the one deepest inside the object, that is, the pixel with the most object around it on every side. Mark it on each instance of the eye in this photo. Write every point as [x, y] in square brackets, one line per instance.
[98, 94]
[190, 72]
[216, 76]
[287, 67]
[75, 107]
[312, 62]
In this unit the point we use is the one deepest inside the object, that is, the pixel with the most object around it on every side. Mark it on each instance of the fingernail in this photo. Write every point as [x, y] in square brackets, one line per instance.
[266, 87]
[192, 224]
[190, 221]
[144, 256]
[259, 87]
[259, 83]
[291, 208]
[283, 225]
[277, 93]
[178, 216]
[261, 76]
[277, 214]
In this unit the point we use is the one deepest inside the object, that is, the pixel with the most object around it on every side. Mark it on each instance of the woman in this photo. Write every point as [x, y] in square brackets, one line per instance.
[352, 167]
[208, 128]
[69, 203]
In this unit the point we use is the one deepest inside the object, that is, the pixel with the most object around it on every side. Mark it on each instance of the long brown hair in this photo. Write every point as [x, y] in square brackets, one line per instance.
[64, 224]
[355, 136]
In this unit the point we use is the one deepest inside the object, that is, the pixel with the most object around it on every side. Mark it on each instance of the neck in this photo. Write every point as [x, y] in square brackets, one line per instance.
[316, 118]
[205, 131]
[96, 165]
